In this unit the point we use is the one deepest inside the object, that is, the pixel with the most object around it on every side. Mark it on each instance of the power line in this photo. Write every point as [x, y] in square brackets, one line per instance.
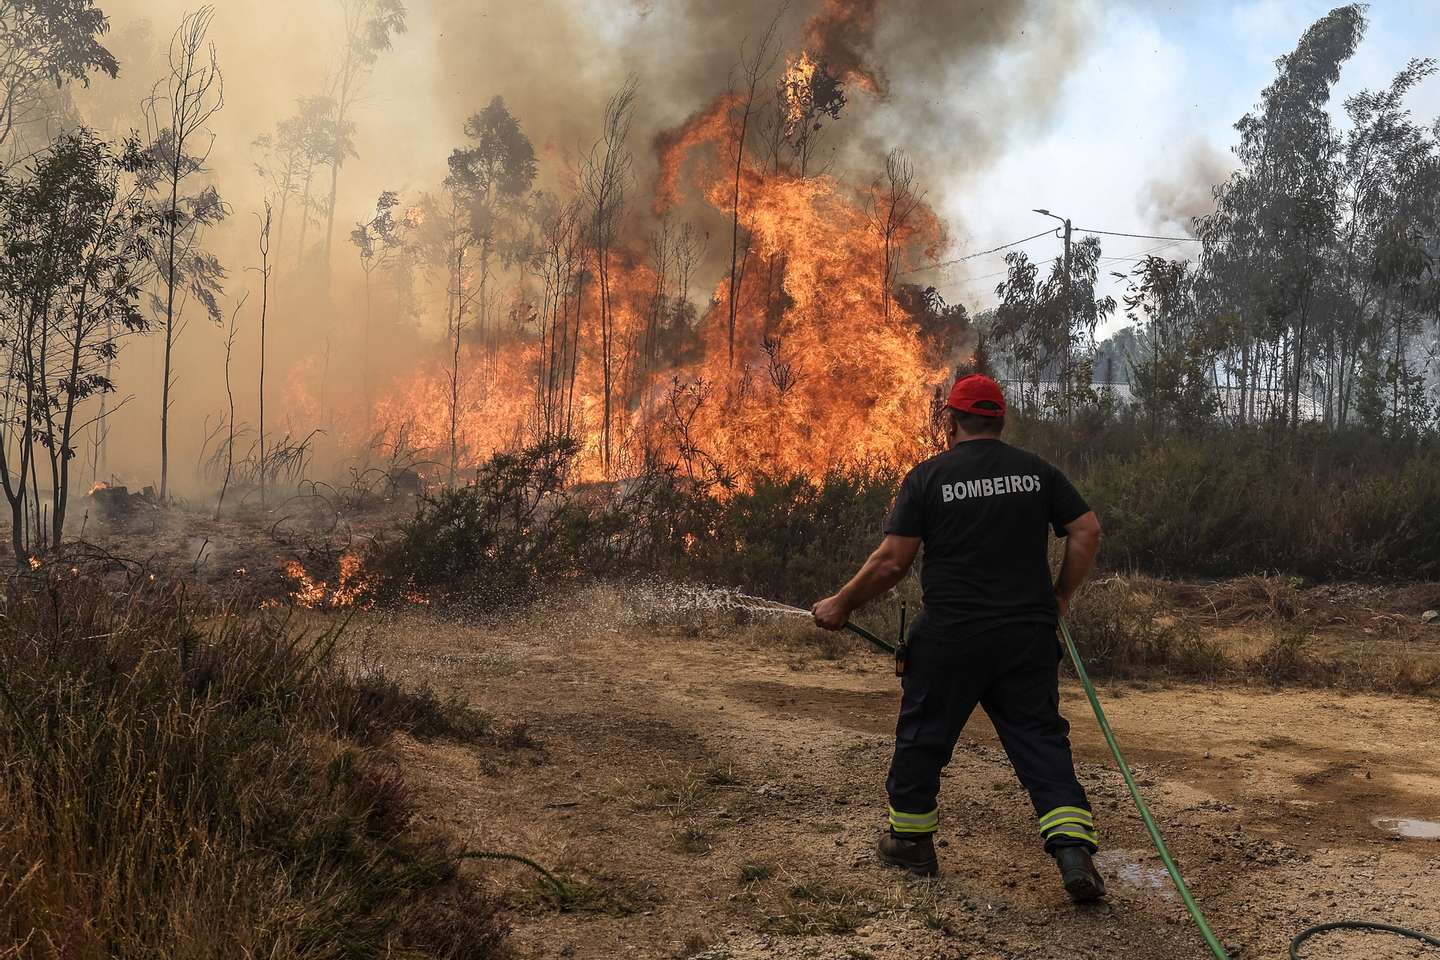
[981, 253]
[1140, 236]
[1140, 255]
[1050, 232]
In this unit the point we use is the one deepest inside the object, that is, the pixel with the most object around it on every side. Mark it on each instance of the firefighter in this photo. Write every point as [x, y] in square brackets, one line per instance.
[982, 510]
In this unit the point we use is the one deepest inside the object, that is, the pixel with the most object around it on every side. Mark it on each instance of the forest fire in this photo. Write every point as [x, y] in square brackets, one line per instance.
[800, 360]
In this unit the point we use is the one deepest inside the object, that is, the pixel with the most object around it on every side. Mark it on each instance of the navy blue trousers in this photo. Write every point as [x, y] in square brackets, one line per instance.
[1013, 674]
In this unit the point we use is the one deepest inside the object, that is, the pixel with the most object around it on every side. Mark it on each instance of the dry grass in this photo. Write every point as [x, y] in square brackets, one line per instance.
[814, 906]
[1242, 600]
[173, 783]
[1253, 628]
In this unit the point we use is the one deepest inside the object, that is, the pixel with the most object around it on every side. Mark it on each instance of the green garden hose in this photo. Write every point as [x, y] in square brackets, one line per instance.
[1160, 848]
[1155, 838]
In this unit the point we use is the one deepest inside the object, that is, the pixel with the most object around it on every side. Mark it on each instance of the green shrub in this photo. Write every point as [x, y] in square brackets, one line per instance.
[521, 527]
[1217, 504]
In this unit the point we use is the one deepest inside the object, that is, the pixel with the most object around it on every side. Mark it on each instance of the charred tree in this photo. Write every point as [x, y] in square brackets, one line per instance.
[752, 68]
[894, 200]
[604, 178]
[230, 399]
[264, 314]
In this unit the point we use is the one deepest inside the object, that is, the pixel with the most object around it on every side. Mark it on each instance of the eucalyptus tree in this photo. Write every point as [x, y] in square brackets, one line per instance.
[370, 27]
[377, 241]
[43, 45]
[1045, 325]
[76, 241]
[1269, 242]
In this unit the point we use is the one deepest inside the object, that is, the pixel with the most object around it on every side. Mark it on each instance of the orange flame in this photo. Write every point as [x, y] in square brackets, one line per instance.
[350, 583]
[814, 365]
[797, 86]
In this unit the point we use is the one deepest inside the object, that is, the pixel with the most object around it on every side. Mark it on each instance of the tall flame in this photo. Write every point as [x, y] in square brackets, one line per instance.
[810, 369]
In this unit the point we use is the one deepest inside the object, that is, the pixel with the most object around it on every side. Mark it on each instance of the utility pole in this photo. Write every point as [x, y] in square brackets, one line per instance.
[1068, 316]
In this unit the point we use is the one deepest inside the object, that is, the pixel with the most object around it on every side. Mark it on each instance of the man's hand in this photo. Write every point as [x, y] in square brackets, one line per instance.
[884, 569]
[831, 613]
[1063, 601]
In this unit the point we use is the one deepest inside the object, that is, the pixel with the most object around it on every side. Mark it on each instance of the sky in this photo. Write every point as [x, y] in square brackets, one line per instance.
[1149, 110]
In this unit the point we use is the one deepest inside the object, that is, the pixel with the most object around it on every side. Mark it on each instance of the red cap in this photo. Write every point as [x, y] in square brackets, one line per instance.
[975, 389]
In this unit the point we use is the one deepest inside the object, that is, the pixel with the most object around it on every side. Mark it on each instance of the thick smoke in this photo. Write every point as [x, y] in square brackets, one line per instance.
[1174, 200]
[952, 83]
[842, 35]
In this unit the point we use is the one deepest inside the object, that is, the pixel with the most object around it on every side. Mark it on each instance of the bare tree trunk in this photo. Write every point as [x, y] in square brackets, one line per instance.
[365, 371]
[456, 326]
[196, 93]
[893, 204]
[264, 310]
[604, 177]
[165, 381]
[304, 214]
[767, 52]
[230, 396]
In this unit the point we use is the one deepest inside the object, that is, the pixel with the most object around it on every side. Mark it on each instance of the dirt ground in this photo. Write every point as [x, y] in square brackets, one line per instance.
[716, 792]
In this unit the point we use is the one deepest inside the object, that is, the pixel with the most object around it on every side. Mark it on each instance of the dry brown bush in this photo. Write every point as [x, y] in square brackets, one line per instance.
[177, 780]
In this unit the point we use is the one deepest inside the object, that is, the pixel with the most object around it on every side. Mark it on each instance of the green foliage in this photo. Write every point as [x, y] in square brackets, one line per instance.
[518, 528]
[46, 43]
[791, 538]
[1229, 504]
[76, 238]
[1044, 325]
[1173, 360]
[492, 176]
[176, 778]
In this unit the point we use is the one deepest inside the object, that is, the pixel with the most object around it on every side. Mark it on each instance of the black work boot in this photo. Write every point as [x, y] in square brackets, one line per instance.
[1077, 871]
[915, 854]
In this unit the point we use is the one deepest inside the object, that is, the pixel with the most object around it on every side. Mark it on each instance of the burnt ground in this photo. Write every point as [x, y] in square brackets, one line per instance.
[713, 792]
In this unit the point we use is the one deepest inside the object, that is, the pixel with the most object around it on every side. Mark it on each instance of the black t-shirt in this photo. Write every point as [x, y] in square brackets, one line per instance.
[983, 511]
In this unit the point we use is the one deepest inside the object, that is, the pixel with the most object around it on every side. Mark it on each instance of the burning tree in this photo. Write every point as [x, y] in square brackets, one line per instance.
[377, 240]
[605, 175]
[562, 270]
[486, 182]
[894, 202]
[588, 353]
[807, 93]
[77, 243]
[753, 66]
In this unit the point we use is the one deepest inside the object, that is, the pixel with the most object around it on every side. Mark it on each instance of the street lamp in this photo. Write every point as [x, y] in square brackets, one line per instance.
[1069, 304]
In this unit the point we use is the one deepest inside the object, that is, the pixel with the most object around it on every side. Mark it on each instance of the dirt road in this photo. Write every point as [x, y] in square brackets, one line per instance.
[721, 796]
